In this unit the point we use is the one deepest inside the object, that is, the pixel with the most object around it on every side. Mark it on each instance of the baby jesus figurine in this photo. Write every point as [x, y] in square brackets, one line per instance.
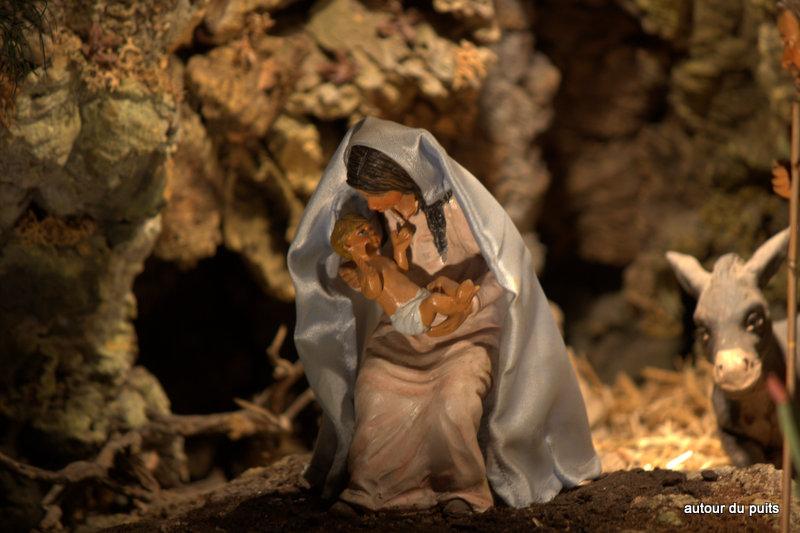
[412, 308]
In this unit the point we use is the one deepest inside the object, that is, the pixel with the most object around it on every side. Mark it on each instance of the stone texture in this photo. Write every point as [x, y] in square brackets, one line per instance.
[81, 186]
[516, 106]
[664, 136]
[295, 144]
[194, 187]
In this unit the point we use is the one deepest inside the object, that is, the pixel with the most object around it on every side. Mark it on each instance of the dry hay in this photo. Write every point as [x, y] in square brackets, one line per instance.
[666, 422]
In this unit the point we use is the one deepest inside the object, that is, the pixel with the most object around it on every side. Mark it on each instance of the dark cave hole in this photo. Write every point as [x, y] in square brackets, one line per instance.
[571, 36]
[577, 38]
[203, 332]
[574, 284]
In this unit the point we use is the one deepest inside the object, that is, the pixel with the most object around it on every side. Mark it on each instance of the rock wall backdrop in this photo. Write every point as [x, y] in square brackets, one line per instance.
[156, 156]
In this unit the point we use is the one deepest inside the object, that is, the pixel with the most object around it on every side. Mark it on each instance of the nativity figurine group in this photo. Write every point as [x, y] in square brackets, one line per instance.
[427, 339]
[429, 344]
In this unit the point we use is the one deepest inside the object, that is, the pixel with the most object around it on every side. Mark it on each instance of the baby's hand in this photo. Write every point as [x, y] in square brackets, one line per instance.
[349, 274]
[401, 238]
[359, 254]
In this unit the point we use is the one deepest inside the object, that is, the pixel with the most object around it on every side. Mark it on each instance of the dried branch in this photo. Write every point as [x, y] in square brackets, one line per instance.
[286, 374]
[236, 424]
[82, 471]
[260, 413]
[274, 349]
[299, 404]
[253, 418]
[52, 510]
[264, 414]
[77, 471]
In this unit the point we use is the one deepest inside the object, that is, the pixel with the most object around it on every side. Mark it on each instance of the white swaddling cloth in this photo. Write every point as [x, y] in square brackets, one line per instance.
[407, 319]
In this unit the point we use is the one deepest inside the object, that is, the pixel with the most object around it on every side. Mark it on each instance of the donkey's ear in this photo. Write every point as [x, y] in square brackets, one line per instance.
[768, 257]
[690, 273]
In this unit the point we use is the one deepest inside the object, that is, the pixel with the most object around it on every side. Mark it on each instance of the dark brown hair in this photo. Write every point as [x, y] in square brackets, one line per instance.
[372, 171]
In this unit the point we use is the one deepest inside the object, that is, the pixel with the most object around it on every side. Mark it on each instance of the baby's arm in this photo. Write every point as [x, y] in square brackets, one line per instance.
[370, 280]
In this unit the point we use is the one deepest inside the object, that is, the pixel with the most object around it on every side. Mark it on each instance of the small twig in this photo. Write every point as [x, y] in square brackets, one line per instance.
[277, 342]
[72, 473]
[252, 419]
[105, 458]
[77, 471]
[235, 424]
[299, 404]
[285, 373]
[274, 349]
[52, 511]
[262, 413]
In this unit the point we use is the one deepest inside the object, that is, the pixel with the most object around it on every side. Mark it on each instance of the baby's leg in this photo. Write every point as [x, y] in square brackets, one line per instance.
[466, 290]
[447, 304]
[434, 304]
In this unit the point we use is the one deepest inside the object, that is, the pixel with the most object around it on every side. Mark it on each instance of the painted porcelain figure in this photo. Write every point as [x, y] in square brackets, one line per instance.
[411, 308]
[412, 421]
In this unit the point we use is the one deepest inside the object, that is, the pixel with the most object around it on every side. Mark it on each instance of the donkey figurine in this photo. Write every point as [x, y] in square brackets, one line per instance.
[735, 330]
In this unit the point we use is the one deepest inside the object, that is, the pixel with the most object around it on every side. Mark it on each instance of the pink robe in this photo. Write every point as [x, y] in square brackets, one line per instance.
[419, 400]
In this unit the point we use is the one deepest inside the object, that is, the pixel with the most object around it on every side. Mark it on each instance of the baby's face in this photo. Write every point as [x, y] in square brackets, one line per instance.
[367, 235]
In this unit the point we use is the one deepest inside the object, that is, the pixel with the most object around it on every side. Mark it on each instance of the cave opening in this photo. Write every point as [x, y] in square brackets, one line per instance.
[574, 37]
[203, 331]
[594, 217]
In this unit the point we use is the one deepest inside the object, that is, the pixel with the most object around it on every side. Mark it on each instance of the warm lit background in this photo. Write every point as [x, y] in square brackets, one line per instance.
[153, 175]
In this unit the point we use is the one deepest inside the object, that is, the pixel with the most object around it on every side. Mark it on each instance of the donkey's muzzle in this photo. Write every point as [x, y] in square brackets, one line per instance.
[736, 370]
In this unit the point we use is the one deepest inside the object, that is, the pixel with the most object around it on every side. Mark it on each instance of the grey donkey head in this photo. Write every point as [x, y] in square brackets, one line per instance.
[732, 315]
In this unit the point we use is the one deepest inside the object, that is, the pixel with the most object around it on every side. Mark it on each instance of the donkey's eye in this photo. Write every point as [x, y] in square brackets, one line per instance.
[754, 321]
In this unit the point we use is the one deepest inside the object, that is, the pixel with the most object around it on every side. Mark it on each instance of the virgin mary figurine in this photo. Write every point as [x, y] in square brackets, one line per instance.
[417, 421]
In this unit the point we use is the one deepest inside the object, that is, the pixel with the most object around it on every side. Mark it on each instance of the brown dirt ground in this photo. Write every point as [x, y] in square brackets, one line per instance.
[276, 499]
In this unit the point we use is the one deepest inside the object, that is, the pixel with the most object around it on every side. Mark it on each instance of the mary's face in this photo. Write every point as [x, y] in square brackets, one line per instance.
[383, 201]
